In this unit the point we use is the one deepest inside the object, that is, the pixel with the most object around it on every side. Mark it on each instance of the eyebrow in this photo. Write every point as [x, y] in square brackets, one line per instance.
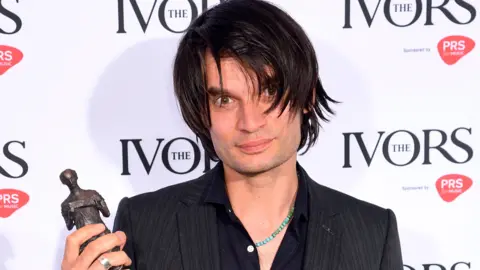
[216, 91]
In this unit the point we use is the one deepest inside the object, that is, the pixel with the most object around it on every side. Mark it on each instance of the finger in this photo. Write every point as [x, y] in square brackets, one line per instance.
[114, 258]
[122, 236]
[99, 246]
[77, 238]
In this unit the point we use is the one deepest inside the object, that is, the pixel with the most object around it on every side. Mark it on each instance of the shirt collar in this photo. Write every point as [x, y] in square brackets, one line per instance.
[217, 194]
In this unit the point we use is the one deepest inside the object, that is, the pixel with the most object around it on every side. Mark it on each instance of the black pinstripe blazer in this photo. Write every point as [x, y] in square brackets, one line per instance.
[172, 229]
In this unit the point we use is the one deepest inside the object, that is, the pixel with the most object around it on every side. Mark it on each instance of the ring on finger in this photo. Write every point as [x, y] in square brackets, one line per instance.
[105, 262]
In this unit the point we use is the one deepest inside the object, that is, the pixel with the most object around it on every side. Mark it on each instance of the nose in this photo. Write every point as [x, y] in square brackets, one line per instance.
[251, 117]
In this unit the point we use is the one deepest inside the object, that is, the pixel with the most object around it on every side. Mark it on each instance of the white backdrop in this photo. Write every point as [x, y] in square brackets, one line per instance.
[79, 89]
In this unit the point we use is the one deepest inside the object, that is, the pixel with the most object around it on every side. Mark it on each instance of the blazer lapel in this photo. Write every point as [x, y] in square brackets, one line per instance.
[324, 233]
[197, 228]
[199, 238]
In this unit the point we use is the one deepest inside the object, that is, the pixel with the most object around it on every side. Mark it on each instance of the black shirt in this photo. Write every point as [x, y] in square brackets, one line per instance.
[237, 249]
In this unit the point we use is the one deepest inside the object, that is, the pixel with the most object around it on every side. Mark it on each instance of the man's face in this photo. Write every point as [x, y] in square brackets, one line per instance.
[245, 138]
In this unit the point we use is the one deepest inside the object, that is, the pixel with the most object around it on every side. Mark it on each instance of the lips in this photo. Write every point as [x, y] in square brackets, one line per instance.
[256, 146]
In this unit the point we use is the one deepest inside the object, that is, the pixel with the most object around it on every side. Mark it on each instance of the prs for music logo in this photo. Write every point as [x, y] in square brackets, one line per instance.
[11, 200]
[453, 48]
[451, 186]
[9, 57]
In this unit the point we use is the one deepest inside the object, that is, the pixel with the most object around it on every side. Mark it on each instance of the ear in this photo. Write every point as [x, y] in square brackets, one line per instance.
[314, 95]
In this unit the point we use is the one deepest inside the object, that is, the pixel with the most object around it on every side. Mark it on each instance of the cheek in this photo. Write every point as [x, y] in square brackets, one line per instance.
[288, 126]
[221, 130]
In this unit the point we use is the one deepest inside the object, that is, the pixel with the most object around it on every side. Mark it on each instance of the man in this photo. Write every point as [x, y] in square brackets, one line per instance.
[246, 79]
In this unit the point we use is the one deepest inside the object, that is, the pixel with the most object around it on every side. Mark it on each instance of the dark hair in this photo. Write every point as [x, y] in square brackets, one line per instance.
[257, 34]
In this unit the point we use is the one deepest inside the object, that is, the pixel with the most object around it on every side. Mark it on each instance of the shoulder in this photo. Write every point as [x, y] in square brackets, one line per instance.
[157, 208]
[361, 221]
[352, 208]
[333, 201]
[170, 195]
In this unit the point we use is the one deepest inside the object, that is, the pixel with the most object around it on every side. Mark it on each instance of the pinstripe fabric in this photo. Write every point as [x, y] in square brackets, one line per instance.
[172, 229]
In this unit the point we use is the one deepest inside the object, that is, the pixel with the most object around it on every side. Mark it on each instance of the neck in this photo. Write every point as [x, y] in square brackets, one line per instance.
[268, 196]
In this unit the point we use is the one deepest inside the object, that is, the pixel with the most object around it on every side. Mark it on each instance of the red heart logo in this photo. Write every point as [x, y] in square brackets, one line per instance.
[11, 200]
[451, 186]
[9, 57]
[453, 48]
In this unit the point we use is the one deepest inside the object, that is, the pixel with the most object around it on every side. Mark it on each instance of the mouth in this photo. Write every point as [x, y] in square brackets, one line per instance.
[255, 147]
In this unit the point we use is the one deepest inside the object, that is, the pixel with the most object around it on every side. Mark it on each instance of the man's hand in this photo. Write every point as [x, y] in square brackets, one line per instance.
[88, 259]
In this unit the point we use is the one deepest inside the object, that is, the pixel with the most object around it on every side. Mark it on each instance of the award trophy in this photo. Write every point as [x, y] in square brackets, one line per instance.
[83, 207]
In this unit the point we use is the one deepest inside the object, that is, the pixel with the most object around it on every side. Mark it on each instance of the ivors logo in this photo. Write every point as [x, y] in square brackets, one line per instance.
[178, 155]
[404, 13]
[165, 12]
[403, 147]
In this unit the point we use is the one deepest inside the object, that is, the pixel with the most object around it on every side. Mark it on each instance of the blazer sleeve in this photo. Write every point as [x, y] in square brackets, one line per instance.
[392, 252]
[123, 223]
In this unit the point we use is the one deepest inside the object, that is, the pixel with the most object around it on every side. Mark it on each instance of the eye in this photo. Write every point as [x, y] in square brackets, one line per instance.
[269, 93]
[223, 100]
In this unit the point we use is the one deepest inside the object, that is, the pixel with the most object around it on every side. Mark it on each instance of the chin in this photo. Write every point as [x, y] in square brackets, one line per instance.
[251, 169]
[252, 165]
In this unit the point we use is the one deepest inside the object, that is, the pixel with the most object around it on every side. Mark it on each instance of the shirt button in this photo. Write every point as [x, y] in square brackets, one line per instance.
[250, 248]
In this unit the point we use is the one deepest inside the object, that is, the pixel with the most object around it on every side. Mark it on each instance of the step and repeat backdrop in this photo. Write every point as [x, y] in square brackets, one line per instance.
[87, 85]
